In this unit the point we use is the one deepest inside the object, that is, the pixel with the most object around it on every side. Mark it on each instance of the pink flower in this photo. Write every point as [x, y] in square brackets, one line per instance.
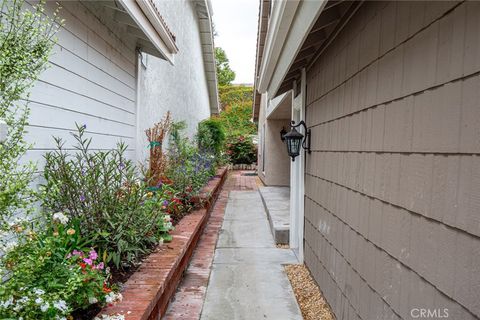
[100, 266]
[93, 255]
[77, 253]
[88, 261]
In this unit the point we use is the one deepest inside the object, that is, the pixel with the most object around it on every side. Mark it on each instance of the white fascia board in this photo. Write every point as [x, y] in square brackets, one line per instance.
[208, 48]
[279, 25]
[307, 14]
[150, 24]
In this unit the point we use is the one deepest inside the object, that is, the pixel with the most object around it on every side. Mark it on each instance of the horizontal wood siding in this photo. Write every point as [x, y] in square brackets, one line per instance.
[392, 207]
[91, 81]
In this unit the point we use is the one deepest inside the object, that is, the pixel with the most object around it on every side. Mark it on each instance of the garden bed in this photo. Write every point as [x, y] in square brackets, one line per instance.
[147, 292]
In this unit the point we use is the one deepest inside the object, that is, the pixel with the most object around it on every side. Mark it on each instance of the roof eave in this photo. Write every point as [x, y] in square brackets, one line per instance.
[146, 18]
[204, 15]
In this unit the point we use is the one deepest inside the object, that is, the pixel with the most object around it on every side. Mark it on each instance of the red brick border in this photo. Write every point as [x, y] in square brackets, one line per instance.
[148, 291]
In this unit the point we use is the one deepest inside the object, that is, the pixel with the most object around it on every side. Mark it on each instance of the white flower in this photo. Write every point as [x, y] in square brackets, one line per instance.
[61, 305]
[60, 217]
[38, 292]
[21, 303]
[113, 297]
[44, 307]
[39, 301]
[5, 304]
[110, 317]
[92, 300]
[23, 300]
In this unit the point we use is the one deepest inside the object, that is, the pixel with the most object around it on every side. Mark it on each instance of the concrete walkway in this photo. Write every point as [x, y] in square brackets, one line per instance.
[248, 281]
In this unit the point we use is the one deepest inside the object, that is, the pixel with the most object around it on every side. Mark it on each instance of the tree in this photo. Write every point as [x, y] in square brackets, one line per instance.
[225, 75]
[26, 41]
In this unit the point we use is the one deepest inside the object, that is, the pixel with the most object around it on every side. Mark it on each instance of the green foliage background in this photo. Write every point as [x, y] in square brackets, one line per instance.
[236, 114]
[225, 75]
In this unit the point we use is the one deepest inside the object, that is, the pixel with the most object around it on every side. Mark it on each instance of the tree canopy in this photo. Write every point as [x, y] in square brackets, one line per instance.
[225, 74]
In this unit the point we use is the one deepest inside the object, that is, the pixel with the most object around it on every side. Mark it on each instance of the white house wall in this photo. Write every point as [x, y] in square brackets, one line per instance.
[180, 88]
[91, 80]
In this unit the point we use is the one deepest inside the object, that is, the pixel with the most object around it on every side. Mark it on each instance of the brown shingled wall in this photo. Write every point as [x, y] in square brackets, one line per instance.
[392, 204]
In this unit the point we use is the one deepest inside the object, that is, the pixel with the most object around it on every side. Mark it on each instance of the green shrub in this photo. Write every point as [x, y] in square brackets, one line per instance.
[241, 150]
[211, 136]
[101, 190]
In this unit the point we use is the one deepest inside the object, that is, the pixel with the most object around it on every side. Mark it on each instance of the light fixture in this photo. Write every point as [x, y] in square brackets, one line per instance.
[295, 139]
[283, 132]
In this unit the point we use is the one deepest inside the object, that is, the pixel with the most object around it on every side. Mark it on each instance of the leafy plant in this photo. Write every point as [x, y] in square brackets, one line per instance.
[211, 136]
[52, 273]
[26, 41]
[189, 167]
[236, 114]
[101, 190]
[241, 150]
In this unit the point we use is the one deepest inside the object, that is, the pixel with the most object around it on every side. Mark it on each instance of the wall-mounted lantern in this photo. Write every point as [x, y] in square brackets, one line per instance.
[283, 132]
[295, 139]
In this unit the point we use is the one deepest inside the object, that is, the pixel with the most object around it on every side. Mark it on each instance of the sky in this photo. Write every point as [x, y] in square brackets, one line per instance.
[236, 25]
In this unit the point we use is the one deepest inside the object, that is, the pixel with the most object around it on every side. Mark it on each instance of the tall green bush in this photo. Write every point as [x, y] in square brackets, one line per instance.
[101, 190]
[236, 114]
[26, 41]
[211, 136]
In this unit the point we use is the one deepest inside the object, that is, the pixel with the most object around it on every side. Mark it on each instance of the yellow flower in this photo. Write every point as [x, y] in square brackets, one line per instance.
[150, 194]
[71, 232]
[55, 233]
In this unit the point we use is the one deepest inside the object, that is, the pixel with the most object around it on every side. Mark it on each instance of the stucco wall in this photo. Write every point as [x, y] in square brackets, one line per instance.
[277, 167]
[90, 80]
[392, 210]
[181, 88]
[276, 171]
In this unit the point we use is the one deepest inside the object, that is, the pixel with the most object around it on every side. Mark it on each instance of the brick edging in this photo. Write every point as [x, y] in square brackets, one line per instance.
[148, 291]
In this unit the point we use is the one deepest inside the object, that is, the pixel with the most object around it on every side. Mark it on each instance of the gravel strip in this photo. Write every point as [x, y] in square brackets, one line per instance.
[310, 299]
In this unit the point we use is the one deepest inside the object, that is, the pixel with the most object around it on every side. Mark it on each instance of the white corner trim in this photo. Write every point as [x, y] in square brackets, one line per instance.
[279, 25]
[146, 18]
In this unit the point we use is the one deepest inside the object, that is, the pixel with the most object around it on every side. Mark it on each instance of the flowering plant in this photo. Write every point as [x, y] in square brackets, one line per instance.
[52, 273]
[241, 150]
[189, 168]
[101, 190]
